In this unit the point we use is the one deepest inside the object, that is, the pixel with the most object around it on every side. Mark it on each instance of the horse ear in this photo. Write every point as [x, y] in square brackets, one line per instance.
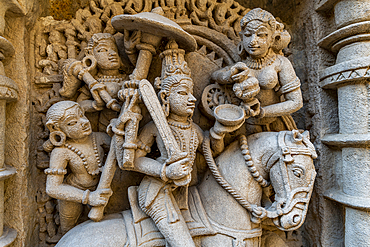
[308, 143]
[306, 134]
[297, 136]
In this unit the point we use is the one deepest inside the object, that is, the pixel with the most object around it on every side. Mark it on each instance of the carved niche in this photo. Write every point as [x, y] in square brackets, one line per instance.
[63, 46]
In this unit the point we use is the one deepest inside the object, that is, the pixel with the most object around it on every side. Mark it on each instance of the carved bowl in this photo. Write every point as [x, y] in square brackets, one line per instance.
[229, 115]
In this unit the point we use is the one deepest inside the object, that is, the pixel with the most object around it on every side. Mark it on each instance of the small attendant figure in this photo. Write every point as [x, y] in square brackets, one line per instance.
[75, 147]
[262, 40]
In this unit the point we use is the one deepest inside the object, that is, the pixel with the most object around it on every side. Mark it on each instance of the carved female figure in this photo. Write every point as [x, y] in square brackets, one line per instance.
[262, 41]
[76, 147]
[99, 69]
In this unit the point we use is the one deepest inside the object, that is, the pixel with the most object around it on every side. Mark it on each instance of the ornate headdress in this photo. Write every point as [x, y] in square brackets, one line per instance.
[174, 70]
[174, 67]
[261, 15]
[95, 39]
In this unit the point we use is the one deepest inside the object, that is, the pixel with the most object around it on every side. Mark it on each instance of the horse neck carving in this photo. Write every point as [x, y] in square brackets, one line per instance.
[283, 157]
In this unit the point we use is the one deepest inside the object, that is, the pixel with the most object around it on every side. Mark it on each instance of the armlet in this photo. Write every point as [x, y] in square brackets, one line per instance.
[291, 86]
[54, 171]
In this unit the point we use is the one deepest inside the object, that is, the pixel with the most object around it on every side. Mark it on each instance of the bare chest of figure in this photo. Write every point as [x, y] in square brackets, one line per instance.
[267, 76]
[80, 170]
[113, 84]
[269, 82]
[186, 140]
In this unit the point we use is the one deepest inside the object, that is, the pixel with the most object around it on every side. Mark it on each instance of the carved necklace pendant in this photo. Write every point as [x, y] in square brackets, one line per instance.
[92, 169]
[260, 62]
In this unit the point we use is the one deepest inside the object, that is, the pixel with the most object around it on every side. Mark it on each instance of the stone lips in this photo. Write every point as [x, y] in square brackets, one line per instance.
[157, 25]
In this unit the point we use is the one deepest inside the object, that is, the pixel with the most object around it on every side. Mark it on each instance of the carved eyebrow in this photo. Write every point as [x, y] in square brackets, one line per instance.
[67, 118]
[299, 166]
[102, 43]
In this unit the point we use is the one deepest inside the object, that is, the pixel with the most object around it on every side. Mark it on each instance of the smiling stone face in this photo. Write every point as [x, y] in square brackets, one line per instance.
[257, 38]
[106, 54]
[74, 123]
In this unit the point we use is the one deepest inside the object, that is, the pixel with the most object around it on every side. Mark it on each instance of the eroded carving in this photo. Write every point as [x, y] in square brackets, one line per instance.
[263, 76]
[256, 85]
[73, 146]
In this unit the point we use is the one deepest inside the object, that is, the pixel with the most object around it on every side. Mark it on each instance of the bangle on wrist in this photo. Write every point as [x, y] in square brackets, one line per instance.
[262, 113]
[163, 172]
[216, 135]
[85, 197]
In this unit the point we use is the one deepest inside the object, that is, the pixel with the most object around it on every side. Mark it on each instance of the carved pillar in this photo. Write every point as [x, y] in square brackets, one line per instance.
[350, 76]
[8, 93]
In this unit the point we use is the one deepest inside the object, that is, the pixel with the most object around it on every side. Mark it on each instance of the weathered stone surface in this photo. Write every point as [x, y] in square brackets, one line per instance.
[328, 51]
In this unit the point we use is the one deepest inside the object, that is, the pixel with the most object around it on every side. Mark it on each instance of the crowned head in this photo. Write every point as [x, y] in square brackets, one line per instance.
[103, 47]
[175, 83]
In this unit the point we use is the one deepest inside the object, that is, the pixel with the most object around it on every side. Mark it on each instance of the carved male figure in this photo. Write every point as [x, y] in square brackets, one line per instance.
[99, 70]
[74, 146]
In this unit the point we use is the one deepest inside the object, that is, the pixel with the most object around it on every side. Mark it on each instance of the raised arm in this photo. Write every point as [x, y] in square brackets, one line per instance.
[290, 88]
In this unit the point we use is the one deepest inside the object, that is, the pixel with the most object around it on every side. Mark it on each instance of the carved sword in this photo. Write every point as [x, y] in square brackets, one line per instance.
[151, 102]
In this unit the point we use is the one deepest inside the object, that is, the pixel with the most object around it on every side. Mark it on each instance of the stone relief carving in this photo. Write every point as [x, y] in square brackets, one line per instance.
[74, 146]
[254, 90]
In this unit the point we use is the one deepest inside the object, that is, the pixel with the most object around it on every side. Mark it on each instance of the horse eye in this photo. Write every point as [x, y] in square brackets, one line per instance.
[298, 172]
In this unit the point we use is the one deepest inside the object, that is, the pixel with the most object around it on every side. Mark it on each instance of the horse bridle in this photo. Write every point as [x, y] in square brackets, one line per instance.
[283, 158]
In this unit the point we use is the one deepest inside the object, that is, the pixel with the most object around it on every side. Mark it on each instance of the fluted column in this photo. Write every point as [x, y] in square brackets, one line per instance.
[350, 76]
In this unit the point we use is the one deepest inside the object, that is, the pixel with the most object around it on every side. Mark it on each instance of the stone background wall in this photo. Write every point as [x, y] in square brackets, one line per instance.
[324, 223]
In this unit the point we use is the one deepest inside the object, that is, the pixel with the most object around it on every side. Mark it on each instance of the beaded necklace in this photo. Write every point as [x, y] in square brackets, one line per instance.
[90, 170]
[250, 164]
[181, 140]
[181, 126]
[260, 62]
[110, 78]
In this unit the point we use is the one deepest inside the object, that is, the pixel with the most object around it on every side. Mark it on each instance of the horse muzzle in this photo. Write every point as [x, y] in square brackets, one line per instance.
[292, 215]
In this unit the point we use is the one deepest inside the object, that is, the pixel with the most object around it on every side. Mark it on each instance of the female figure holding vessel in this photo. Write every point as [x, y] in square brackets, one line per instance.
[264, 74]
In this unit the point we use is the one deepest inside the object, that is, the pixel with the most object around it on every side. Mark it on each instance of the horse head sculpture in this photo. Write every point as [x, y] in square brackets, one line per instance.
[292, 175]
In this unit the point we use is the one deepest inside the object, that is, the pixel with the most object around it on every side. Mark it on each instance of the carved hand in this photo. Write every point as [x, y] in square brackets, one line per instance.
[99, 197]
[178, 169]
[221, 129]
[131, 41]
[239, 72]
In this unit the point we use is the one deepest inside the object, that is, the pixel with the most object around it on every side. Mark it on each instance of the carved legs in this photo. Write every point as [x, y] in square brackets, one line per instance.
[69, 213]
[166, 214]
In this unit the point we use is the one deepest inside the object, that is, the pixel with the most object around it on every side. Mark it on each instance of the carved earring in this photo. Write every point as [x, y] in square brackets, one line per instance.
[241, 50]
[57, 138]
[165, 103]
[166, 108]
